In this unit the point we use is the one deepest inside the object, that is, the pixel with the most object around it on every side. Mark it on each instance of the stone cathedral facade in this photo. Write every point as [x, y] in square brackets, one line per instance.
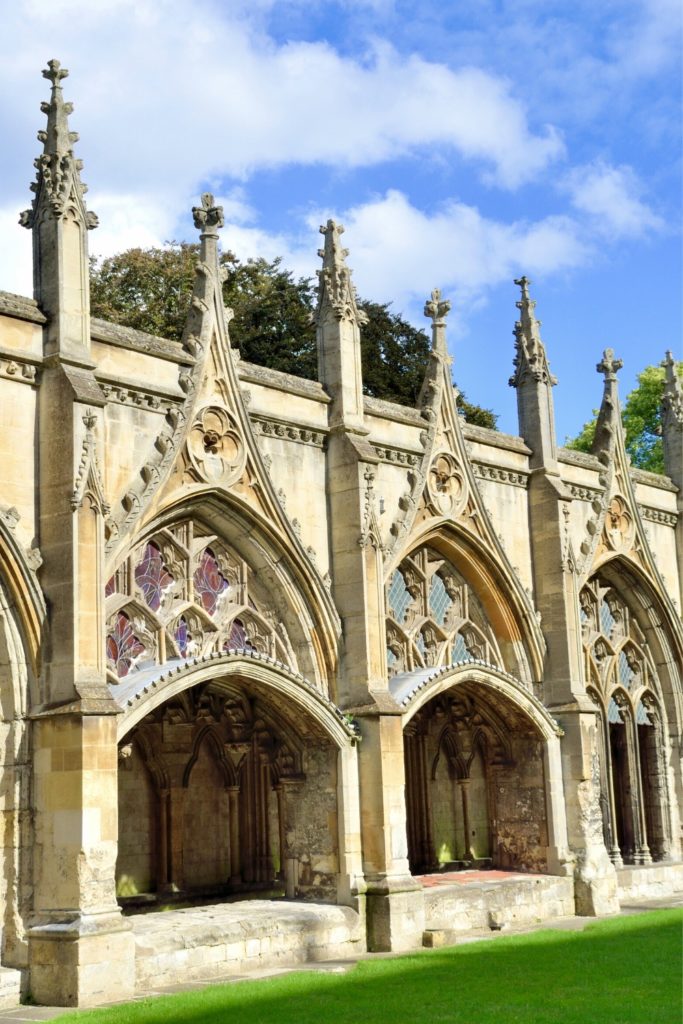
[267, 637]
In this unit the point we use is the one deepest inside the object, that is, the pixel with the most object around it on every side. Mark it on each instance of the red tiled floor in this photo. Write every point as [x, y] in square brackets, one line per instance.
[463, 877]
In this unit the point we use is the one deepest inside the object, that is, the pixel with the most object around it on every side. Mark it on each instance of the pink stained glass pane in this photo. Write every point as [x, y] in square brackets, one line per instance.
[183, 637]
[123, 646]
[152, 576]
[110, 587]
[209, 582]
[238, 639]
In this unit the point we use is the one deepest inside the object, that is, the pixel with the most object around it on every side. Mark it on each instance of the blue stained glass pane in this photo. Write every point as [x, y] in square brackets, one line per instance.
[642, 717]
[606, 618]
[420, 643]
[152, 576]
[460, 652]
[613, 713]
[399, 598]
[439, 601]
[123, 646]
[209, 582]
[626, 673]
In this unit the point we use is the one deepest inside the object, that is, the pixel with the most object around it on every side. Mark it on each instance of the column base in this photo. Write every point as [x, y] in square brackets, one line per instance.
[395, 914]
[82, 962]
[595, 884]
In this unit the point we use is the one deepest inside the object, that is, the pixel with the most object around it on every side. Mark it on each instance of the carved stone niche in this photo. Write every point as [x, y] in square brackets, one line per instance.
[215, 447]
[446, 486]
[619, 526]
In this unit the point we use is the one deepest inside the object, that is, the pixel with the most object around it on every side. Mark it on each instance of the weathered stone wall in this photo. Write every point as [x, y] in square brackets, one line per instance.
[311, 830]
[521, 835]
[138, 826]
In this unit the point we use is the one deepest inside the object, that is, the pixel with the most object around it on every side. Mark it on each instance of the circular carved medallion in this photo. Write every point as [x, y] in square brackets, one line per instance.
[215, 447]
[446, 485]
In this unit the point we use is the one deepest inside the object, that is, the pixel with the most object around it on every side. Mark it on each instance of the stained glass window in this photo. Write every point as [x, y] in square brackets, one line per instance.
[183, 637]
[209, 582]
[399, 598]
[439, 601]
[614, 714]
[123, 646]
[626, 673]
[238, 639]
[152, 576]
[111, 586]
[607, 620]
[460, 652]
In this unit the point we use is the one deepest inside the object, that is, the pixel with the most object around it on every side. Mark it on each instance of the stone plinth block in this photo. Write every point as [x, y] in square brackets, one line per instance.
[83, 962]
[395, 914]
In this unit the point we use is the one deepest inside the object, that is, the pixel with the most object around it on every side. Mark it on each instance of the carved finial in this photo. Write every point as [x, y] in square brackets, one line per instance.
[58, 179]
[609, 365]
[531, 361]
[208, 217]
[335, 289]
[436, 309]
[672, 397]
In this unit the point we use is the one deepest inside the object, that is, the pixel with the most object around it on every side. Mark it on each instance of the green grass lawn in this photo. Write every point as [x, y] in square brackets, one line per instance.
[626, 970]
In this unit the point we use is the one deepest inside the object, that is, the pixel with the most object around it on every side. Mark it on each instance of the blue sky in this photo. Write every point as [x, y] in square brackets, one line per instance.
[461, 144]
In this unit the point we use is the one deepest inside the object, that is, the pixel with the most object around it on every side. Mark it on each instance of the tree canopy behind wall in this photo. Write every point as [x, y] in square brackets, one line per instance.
[149, 290]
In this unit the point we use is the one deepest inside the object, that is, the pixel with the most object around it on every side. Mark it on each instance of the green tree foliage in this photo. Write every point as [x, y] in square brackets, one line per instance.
[641, 416]
[149, 290]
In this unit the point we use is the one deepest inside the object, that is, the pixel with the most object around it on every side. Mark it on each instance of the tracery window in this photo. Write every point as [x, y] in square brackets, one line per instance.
[622, 682]
[433, 617]
[183, 594]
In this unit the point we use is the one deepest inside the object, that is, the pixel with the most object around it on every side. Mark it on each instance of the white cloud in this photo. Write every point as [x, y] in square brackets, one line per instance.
[610, 195]
[199, 89]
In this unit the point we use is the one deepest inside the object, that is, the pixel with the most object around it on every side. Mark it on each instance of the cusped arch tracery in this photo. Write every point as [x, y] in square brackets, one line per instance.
[184, 593]
[434, 618]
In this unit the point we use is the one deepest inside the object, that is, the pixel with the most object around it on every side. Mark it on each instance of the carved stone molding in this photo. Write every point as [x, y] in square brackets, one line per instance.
[18, 369]
[397, 456]
[288, 431]
[446, 485]
[129, 395]
[657, 515]
[485, 471]
[584, 493]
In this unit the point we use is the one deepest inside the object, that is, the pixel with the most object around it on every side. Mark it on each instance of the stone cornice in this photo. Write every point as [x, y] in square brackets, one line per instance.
[584, 459]
[21, 307]
[500, 474]
[643, 476]
[393, 411]
[287, 382]
[509, 442]
[397, 456]
[138, 341]
[19, 368]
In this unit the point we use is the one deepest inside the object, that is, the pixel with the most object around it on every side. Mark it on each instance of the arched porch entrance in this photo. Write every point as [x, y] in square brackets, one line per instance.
[231, 772]
[483, 776]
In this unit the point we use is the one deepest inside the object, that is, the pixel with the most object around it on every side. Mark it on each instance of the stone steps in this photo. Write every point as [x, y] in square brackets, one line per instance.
[10, 987]
[515, 901]
[223, 940]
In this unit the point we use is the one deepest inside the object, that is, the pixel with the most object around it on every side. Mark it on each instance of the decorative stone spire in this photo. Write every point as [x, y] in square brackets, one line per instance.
[336, 293]
[531, 362]
[58, 180]
[672, 421]
[534, 382]
[208, 218]
[608, 417]
[437, 310]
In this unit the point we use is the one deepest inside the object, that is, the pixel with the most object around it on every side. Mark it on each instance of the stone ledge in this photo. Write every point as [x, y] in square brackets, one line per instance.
[254, 374]
[21, 307]
[138, 341]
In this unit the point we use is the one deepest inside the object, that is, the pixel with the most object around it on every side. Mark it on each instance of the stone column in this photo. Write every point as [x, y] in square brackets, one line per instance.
[556, 597]
[395, 911]
[81, 950]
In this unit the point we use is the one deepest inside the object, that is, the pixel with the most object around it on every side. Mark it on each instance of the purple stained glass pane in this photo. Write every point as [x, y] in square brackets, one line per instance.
[123, 646]
[238, 639]
[183, 637]
[152, 576]
[209, 581]
[110, 587]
